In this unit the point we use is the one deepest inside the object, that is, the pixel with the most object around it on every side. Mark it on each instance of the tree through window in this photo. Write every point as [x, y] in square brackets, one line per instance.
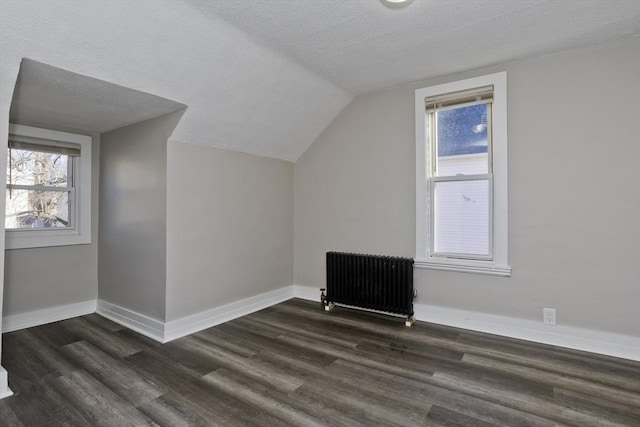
[40, 190]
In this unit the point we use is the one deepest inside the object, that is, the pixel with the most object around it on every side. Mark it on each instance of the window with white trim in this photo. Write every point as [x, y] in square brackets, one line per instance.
[461, 180]
[48, 193]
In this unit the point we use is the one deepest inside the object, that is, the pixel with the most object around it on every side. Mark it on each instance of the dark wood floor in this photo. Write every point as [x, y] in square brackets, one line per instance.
[293, 364]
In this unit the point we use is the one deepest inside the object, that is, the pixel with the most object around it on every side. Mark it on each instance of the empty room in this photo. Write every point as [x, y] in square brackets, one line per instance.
[320, 213]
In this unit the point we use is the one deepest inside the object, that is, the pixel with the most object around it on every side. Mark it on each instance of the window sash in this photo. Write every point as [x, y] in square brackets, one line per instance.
[37, 187]
[432, 217]
[432, 136]
[72, 164]
[52, 149]
[447, 102]
[72, 204]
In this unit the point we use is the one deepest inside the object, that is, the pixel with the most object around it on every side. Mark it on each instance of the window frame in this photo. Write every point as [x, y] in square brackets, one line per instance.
[425, 258]
[80, 212]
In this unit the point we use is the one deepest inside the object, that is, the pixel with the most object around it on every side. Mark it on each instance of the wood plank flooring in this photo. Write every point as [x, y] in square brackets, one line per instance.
[293, 364]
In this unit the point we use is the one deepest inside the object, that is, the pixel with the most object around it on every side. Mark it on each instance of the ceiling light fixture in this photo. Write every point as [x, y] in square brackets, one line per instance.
[396, 3]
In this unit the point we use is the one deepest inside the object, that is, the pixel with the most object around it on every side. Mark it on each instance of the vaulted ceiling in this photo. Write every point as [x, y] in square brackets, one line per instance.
[267, 76]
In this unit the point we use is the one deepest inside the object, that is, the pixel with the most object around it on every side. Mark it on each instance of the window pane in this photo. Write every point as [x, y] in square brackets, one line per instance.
[462, 141]
[36, 168]
[461, 221]
[37, 209]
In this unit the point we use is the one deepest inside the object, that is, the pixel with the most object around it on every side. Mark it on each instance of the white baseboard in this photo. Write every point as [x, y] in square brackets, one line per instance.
[133, 320]
[206, 319]
[5, 391]
[623, 346]
[53, 314]
[610, 344]
[169, 331]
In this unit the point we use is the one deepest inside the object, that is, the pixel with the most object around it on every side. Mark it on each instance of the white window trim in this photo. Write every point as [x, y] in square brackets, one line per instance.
[81, 232]
[499, 265]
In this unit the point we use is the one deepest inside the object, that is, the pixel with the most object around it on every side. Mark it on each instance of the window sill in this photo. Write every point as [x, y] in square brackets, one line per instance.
[43, 239]
[476, 267]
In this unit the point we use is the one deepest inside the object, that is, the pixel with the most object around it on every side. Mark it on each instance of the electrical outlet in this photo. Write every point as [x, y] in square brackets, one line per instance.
[549, 316]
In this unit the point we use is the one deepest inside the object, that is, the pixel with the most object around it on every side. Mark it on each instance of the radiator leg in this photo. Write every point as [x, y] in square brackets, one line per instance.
[329, 306]
[410, 321]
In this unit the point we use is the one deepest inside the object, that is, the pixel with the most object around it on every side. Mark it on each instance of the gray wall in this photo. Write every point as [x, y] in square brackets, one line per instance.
[4, 136]
[229, 227]
[133, 213]
[39, 278]
[574, 199]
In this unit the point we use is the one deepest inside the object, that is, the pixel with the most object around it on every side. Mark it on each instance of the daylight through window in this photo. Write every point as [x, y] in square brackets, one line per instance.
[461, 180]
[40, 186]
[48, 188]
[459, 133]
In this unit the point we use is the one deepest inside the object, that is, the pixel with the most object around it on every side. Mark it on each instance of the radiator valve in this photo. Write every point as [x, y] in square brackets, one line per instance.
[415, 293]
[322, 297]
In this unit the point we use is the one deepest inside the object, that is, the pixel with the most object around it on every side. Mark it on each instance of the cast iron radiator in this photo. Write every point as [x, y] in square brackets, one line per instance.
[378, 283]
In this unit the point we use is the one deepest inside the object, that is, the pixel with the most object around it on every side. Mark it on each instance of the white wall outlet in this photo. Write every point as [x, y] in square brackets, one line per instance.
[549, 316]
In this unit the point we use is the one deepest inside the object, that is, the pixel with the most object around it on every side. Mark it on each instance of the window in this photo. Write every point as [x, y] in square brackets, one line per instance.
[461, 180]
[48, 194]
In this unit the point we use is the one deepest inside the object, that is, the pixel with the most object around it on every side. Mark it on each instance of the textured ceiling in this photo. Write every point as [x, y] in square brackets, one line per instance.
[362, 46]
[267, 76]
[50, 97]
[240, 95]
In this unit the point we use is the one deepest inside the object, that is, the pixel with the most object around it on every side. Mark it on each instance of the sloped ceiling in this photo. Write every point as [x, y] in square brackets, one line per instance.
[266, 77]
[363, 46]
[240, 95]
[53, 98]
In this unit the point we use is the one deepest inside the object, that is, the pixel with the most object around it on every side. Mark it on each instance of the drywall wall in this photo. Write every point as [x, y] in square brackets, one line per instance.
[39, 278]
[4, 136]
[574, 204]
[229, 227]
[133, 214]
[7, 84]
